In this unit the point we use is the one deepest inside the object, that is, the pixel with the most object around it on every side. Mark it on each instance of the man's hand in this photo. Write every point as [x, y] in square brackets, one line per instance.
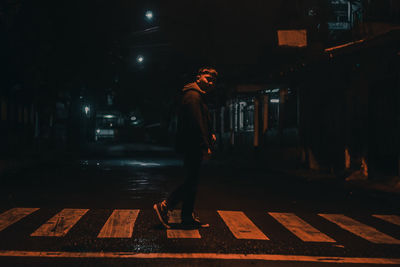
[214, 138]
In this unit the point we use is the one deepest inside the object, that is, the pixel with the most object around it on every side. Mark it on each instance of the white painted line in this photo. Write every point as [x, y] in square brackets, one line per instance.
[300, 228]
[182, 233]
[175, 217]
[61, 223]
[367, 232]
[12, 216]
[120, 224]
[395, 219]
[241, 226]
[211, 256]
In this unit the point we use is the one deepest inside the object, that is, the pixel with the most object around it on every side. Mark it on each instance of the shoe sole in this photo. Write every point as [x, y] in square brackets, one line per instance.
[160, 217]
[191, 226]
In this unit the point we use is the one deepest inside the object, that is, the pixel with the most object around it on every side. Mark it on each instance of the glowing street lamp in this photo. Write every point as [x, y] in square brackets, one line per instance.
[149, 15]
[140, 59]
[86, 110]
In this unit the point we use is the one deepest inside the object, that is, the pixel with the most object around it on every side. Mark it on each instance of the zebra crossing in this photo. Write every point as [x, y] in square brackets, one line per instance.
[300, 228]
[367, 232]
[174, 218]
[121, 223]
[61, 223]
[14, 215]
[241, 226]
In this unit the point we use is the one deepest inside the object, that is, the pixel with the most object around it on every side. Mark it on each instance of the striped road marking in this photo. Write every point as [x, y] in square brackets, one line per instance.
[175, 217]
[367, 232]
[300, 228]
[241, 226]
[209, 256]
[181, 233]
[61, 223]
[120, 224]
[389, 218]
[14, 215]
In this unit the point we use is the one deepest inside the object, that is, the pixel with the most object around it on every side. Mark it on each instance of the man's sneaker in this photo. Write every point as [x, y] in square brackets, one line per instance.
[162, 213]
[193, 223]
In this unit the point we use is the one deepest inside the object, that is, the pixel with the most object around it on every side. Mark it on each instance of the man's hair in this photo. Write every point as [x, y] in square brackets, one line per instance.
[209, 70]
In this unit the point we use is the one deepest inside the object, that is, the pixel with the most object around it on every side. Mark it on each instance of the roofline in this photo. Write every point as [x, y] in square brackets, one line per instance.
[361, 41]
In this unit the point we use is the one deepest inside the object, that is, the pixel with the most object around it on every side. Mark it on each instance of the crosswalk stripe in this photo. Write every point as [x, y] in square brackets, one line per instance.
[175, 217]
[241, 226]
[120, 224]
[61, 223]
[367, 232]
[183, 233]
[14, 215]
[389, 218]
[300, 228]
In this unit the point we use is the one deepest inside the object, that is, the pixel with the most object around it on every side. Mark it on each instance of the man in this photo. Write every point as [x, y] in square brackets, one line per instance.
[194, 140]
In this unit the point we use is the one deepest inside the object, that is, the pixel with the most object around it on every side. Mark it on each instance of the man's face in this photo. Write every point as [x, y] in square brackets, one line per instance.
[207, 80]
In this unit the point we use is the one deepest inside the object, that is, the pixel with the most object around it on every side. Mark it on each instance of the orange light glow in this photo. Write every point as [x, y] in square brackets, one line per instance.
[364, 167]
[347, 159]
[344, 45]
[292, 38]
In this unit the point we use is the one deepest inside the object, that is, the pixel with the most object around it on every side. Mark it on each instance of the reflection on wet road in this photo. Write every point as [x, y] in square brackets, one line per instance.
[147, 163]
[134, 179]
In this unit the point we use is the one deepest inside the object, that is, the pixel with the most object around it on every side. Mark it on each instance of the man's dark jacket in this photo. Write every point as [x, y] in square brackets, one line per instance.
[194, 124]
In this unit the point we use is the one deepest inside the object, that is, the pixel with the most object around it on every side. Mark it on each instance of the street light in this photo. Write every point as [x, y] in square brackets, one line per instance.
[149, 15]
[140, 59]
[87, 109]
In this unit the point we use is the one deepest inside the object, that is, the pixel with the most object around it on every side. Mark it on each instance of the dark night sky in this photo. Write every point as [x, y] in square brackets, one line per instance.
[67, 45]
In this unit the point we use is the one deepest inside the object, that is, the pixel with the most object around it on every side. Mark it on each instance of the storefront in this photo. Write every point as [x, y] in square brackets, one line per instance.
[257, 115]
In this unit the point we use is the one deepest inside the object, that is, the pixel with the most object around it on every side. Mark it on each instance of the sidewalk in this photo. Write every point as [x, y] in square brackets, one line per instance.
[290, 165]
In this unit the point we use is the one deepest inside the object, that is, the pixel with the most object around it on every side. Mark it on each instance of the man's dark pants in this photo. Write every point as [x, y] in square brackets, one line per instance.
[186, 192]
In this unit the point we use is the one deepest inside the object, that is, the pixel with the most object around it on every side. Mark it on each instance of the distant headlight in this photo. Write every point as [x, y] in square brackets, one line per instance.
[98, 131]
[109, 116]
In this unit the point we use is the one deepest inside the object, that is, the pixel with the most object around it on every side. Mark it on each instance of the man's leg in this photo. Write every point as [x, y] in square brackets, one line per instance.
[185, 193]
[192, 164]
[192, 167]
[176, 196]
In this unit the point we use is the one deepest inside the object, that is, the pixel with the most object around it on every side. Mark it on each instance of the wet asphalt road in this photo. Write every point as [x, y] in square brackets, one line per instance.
[136, 176]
